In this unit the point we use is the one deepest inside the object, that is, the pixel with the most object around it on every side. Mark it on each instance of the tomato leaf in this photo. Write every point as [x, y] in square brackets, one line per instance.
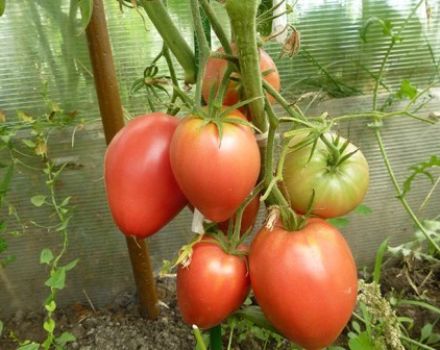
[86, 8]
[38, 200]
[361, 342]
[363, 209]
[46, 256]
[2, 7]
[420, 168]
[407, 90]
[339, 222]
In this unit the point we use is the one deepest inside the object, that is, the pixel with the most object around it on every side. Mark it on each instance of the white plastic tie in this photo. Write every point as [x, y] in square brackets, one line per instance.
[262, 138]
[197, 222]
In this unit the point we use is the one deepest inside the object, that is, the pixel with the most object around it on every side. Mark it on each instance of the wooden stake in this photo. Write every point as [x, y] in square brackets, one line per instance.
[112, 120]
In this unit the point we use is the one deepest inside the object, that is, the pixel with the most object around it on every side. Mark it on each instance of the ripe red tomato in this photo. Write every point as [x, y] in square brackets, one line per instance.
[215, 70]
[215, 175]
[141, 190]
[212, 286]
[339, 188]
[304, 281]
[248, 218]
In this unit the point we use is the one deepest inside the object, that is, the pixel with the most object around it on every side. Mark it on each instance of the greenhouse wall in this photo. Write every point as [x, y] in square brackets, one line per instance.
[44, 61]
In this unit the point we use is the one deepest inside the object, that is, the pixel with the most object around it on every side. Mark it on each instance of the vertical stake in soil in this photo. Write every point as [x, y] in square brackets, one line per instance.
[112, 120]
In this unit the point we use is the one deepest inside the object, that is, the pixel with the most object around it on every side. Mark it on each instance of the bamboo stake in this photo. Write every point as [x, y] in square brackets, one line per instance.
[112, 120]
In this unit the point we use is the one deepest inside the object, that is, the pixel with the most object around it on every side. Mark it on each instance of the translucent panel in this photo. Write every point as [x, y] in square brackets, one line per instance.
[43, 55]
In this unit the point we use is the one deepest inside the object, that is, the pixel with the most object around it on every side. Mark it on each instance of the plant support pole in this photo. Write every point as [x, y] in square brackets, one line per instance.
[112, 120]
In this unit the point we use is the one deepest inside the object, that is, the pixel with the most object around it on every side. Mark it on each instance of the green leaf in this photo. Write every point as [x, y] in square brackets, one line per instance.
[46, 256]
[378, 261]
[38, 200]
[3, 245]
[2, 7]
[1, 327]
[426, 332]
[339, 222]
[86, 8]
[407, 90]
[361, 342]
[49, 325]
[71, 265]
[363, 209]
[65, 201]
[386, 26]
[51, 306]
[29, 143]
[6, 181]
[420, 168]
[31, 346]
[65, 338]
[57, 279]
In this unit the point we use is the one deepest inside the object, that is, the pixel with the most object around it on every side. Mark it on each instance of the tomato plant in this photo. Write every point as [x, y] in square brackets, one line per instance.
[212, 286]
[141, 189]
[249, 216]
[305, 281]
[215, 171]
[215, 70]
[336, 171]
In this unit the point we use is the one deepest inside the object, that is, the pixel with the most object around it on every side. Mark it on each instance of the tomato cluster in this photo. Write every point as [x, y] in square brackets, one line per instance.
[305, 278]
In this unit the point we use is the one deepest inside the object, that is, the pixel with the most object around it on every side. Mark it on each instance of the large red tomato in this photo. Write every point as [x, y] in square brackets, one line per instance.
[248, 218]
[141, 190]
[304, 281]
[215, 174]
[215, 70]
[339, 187]
[212, 286]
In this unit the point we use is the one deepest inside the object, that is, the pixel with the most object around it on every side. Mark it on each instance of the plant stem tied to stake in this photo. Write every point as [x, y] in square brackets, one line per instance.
[112, 120]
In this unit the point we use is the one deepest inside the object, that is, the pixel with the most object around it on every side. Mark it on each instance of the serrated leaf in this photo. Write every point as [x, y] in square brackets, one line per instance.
[64, 338]
[363, 209]
[70, 265]
[29, 143]
[407, 90]
[420, 168]
[57, 280]
[46, 256]
[339, 222]
[86, 8]
[49, 325]
[38, 200]
[361, 342]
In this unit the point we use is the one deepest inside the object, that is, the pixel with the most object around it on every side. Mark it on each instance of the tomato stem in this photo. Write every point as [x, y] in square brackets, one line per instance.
[242, 14]
[216, 26]
[239, 214]
[215, 335]
[158, 14]
[400, 196]
[203, 50]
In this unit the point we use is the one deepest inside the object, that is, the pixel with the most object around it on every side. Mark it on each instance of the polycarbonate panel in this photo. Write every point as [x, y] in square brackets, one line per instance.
[42, 54]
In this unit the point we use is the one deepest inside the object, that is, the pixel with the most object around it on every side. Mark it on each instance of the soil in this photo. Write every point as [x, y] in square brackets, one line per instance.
[119, 325]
